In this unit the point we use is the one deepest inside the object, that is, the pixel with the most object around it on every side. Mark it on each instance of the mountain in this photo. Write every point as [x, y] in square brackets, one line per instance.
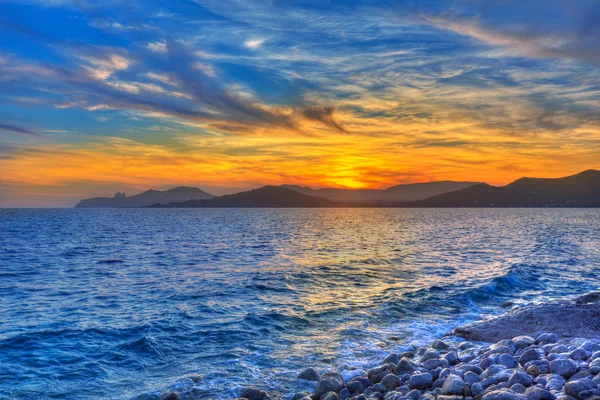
[395, 194]
[579, 190]
[266, 196]
[146, 198]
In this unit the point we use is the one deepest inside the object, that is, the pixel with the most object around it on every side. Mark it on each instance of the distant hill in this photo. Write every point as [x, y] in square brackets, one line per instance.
[266, 196]
[392, 195]
[580, 190]
[146, 198]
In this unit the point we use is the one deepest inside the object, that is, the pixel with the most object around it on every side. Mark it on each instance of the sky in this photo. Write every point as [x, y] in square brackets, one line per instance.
[104, 96]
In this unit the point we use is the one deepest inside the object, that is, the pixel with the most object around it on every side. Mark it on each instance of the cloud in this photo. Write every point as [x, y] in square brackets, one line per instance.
[17, 129]
[254, 43]
[573, 35]
[323, 115]
[157, 47]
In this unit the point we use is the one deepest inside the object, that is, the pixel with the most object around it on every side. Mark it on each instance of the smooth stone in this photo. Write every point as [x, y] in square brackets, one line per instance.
[354, 387]
[451, 357]
[453, 385]
[547, 338]
[329, 396]
[531, 354]
[420, 381]
[171, 396]
[476, 388]
[301, 395]
[563, 367]
[390, 381]
[344, 394]
[450, 397]
[508, 361]
[465, 345]
[430, 354]
[254, 394]
[378, 387]
[376, 374]
[329, 382]
[470, 378]
[405, 366]
[580, 375]
[393, 358]
[523, 341]
[555, 383]
[309, 374]
[503, 394]
[586, 394]
[580, 354]
[439, 345]
[432, 363]
[414, 394]
[518, 388]
[520, 377]
[537, 393]
[573, 388]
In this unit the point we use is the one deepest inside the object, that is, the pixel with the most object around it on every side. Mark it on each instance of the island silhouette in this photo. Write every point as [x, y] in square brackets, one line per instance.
[579, 190]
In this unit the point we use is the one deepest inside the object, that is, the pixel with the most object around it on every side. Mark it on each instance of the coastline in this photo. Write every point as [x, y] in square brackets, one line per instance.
[548, 351]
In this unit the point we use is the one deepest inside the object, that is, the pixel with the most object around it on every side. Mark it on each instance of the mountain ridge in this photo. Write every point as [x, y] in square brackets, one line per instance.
[146, 198]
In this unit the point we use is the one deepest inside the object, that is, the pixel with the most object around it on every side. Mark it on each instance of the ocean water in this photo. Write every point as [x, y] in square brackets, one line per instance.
[122, 304]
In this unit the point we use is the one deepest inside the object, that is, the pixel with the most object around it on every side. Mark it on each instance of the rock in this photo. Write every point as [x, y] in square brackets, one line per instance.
[344, 394]
[439, 345]
[518, 388]
[587, 394]
[508, 361]
[573, 388]
[378, 387]
[503, 394]
[420, 381]
[465, 345]
[450, 397]
[561, 317]
[451, 357]
[171, 396]
[563, 367]
[390, 381]
[255, 394]
[301, 395]
[405, 366]
[538, 393]
[376, 374]
[580, 375]
[470, 378]
[354, 387]
[309, 374]
[580, 354]
[413, 394]
[391, 358]
[329, 382]
[531, 354]
[587, 298]
[329, 396]
[453, 385]
[555, 383]
[476, 389]
[430, 354]
[546, 338]
[519, 377]
[523, 341]
[432, 364]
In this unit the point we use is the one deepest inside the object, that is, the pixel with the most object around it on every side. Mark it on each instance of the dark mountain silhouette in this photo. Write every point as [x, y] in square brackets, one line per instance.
[394, 194]
[266, 196]
[146, 198]
[580, 190]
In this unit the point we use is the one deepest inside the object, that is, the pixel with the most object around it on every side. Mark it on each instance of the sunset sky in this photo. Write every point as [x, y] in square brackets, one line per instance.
[105, 96]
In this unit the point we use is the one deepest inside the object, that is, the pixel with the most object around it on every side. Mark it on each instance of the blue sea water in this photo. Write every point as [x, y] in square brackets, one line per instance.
[122, 304]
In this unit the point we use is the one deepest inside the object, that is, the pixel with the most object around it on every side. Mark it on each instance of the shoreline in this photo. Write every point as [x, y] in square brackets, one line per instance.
[548, 351]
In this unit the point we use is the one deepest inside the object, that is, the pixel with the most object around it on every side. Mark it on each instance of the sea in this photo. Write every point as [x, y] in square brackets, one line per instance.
[135, 303]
